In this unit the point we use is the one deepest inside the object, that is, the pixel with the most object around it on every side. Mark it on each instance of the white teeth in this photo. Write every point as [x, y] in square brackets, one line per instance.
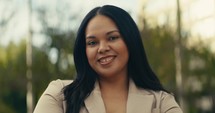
[105, 60]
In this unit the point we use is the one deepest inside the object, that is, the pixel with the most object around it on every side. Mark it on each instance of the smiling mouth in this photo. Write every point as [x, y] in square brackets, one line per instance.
[106, 60]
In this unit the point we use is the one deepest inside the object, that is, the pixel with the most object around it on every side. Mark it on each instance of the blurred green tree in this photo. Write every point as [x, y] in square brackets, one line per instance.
[199, 83]
[13, 75]
[12, 79]
[198, 64]
[57, 51]
[159, 46]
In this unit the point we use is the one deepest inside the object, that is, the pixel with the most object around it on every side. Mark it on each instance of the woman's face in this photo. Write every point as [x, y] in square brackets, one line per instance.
[106, 50]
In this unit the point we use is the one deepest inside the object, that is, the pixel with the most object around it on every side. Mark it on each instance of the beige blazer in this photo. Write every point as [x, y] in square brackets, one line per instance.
[139, 100]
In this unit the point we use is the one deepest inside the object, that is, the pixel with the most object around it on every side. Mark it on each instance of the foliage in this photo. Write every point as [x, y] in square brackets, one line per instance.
[12, 79]
[199, 85]
[159, 46]
[198, 64]
[13, 76]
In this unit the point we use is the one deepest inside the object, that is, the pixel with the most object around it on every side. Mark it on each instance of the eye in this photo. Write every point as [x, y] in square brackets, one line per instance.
[112, 38]
[91, 43]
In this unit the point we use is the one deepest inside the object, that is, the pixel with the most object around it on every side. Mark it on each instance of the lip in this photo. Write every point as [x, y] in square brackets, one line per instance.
[105, 60]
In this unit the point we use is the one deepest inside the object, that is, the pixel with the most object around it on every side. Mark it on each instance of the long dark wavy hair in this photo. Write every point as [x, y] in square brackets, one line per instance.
[139, 69]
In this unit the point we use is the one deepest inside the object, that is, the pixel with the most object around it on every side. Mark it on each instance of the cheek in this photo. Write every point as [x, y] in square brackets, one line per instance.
[90, 54]
[123, 49]
[87, 53]
[124, 53]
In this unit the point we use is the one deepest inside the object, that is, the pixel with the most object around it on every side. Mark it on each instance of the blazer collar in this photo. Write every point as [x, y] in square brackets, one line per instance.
[139, 100]
[94, 102]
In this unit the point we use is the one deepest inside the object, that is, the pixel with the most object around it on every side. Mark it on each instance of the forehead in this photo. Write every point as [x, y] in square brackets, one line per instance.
[100, 23]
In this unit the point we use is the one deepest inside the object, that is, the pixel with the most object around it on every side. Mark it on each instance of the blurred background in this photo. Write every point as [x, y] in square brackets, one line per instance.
[37, 37]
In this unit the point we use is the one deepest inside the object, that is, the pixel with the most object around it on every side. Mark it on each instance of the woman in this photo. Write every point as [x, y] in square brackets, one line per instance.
[113, 74]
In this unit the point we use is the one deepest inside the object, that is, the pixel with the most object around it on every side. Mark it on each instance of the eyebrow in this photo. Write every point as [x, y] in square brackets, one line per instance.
[91, 37]
[112, 31]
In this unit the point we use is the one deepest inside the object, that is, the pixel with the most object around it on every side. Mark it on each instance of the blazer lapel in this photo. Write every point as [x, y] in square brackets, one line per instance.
[94, 102]
[139, 101]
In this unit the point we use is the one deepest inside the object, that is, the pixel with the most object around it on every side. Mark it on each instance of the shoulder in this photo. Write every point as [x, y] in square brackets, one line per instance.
[165, 102]
[52, 97]
[55, 88]
[160, 94]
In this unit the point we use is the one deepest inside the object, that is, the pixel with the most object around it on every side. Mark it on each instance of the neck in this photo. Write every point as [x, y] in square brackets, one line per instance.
[114, 93]
[119, 84]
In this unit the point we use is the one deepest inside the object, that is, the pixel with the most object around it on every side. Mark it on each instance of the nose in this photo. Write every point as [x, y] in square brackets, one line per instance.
[103, 47]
